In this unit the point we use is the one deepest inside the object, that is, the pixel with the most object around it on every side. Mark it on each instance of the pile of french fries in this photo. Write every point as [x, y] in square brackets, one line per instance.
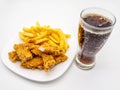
[45, 34]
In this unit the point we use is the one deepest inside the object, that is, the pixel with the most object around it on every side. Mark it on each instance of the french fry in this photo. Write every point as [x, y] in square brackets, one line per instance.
[45, 34]
[24, 38]
[63, 42]
[27, 34]
[54, 40]
[41, 36]
[39, 41]
[50, 42]
[26, 29]
[56, 36]
[37, 24]
[67, 35]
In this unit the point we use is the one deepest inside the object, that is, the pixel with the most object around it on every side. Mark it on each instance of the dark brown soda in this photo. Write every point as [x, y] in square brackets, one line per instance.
[90, 42]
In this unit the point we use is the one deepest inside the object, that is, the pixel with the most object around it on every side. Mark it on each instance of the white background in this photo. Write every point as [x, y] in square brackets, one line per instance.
[64, 14]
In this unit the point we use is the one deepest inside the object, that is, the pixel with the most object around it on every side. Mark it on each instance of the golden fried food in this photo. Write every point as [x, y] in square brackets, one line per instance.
[49, 61]
[43, 47]
[33, 63]
[45, 34]
[23, 53]
[60, 58]
[32, 57]
[52, 50]
[36, 52]
[13, 56]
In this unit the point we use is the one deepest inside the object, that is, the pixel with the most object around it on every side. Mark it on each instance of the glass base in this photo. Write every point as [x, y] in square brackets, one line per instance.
[82, 65]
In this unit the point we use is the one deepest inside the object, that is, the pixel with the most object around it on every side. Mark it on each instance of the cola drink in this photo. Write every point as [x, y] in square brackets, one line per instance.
[92, 41]
[95, 26]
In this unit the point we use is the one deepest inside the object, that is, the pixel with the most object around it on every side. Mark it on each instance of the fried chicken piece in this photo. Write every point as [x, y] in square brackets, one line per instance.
[36, 51]
[36, 62]
[30, 46]
[34, 56]
[60, 58]
[49, 62]
[13, 56]
[51, 50]
[23, 53]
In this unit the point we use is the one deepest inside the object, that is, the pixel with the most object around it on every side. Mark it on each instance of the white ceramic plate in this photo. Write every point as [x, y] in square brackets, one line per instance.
[38, 75]
[18, 16]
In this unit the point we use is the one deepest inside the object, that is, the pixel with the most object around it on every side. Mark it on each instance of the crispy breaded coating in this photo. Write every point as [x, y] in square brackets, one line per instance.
[13, 56]
[32, 56]
[36, 51]
[30, 46]
[36, 62]
[48, 49]
[49, 62]
[60, 58]
[23, 53]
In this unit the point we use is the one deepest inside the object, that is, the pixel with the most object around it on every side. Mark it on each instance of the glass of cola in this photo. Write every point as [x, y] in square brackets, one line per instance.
[94, 28]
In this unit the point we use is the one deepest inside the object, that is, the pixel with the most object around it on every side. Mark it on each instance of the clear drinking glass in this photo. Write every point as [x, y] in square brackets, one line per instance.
[95, 27]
